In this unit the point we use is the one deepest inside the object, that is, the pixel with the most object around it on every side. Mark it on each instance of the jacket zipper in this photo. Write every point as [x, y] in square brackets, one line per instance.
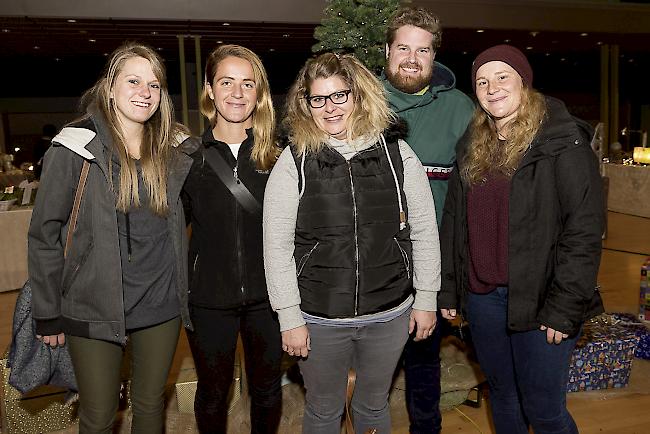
[405, 258]
[356, 243]
[305, 258]
[239, 252]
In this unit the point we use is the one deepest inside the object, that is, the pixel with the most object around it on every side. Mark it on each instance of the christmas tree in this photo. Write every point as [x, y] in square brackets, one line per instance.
[358, 27]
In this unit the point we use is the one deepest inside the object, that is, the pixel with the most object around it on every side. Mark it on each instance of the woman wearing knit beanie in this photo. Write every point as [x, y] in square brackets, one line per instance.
[522, 229]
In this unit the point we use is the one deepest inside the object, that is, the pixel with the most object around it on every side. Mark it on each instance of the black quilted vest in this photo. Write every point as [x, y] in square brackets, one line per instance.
[351, 257]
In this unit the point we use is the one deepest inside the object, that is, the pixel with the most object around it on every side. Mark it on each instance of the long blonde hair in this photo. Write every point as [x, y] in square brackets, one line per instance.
[370, 116]
[265, 151]
[486, 154]
[157, 138]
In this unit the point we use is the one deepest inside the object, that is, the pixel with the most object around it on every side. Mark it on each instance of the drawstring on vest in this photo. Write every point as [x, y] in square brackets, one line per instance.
[402, 214]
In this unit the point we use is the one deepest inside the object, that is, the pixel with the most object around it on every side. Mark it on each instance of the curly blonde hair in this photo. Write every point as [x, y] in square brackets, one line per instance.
[486, 154]
[370, 116]
[265, 151]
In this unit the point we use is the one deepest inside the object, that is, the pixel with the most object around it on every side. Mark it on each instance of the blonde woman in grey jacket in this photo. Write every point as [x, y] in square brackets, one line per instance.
[125, 276]
[350, 243]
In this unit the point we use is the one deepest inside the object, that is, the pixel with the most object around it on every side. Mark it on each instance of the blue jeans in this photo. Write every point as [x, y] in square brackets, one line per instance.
[526, 375]
[373, 351]
[422, 381]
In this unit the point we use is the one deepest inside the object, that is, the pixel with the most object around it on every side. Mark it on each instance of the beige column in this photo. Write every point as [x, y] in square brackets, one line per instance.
[181, 59]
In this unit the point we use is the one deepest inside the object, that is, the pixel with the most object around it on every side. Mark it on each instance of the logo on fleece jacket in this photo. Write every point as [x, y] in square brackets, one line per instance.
[440, 172]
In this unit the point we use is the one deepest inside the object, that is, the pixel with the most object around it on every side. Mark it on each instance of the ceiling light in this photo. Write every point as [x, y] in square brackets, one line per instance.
[599, 43]
[159, 48]
[480, 31]
[6, 30]
[563, 59]
[225, 24]
[36, 47]
[271, 49]
[57, 59]
[286, 35]
[506, 40]
[154, 33]
[464, 52]
[72, 20]
[92, 40]
[529, 48]
[584, 34]
[547, 54]
[105, 54]
[533, 34]
[219, 42]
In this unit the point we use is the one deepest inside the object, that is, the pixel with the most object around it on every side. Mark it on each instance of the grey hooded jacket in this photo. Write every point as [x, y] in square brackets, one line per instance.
[82, 295]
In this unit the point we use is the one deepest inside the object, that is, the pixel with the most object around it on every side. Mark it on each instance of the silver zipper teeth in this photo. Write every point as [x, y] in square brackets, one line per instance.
[195, 261]
[307, 255]
[356, 244]
[405, 258]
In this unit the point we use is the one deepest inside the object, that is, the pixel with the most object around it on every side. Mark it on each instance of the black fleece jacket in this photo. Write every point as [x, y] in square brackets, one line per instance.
[556, 221]
[226, 265]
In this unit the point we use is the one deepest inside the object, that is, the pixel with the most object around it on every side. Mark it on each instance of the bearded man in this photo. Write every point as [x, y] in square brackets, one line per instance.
[422, 92]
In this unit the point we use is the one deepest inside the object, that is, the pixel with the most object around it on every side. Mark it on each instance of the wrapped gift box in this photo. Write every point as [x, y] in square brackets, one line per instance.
[644, 298]
[642, 330]
[186, 387]
[603, 356]
[42, 410]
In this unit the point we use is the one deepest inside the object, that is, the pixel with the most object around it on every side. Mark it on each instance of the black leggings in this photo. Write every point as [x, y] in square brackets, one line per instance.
[213, 345]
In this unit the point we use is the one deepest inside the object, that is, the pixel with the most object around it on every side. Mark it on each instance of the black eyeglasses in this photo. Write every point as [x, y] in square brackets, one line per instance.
[338, 97]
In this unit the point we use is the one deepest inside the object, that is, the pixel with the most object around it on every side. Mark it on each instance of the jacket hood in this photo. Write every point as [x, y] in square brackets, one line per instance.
[442, 80]
[560, 131]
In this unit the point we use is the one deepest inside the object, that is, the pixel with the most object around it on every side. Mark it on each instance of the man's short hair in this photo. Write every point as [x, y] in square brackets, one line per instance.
[418, 17]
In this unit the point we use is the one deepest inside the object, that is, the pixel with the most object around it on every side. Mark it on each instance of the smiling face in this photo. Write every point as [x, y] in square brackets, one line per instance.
[234, 91]
[135, 92]
[410, 59]
[331, 118]
[498, 90]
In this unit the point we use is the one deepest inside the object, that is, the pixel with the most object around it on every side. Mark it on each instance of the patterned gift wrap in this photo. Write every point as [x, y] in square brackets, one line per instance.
[42, 410]
[186, 386]
[642, 330]
[603, 356]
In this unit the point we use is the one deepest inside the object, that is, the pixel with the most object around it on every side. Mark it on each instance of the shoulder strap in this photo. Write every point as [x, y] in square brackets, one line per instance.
[236, 187]
[77, 203]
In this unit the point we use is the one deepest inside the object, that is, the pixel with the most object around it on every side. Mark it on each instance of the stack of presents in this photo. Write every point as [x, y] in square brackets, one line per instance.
[602, 359]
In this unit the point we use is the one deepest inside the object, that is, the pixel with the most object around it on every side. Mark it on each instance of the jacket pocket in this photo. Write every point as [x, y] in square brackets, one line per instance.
[73, 269]
[405, 258]
[303, 260]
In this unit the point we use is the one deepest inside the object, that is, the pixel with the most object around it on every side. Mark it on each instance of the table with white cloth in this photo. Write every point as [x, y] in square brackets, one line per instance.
[13, 247]
[629, 189]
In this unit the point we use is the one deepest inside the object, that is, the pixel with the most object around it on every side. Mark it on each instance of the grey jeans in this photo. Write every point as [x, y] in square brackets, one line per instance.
[373, 352]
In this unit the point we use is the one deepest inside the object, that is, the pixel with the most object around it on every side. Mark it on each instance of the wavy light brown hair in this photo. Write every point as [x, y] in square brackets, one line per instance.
[265, 151]
[418, 17]
[486, 154]
[158, 138]
[370, 115]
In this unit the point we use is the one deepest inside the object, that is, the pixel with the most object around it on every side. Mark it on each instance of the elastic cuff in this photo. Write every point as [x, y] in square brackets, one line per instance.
[426, 300]
[290, 318]
[48, 327]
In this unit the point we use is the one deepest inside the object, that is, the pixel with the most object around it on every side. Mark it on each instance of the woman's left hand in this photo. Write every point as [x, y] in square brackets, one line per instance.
[552, 335]
[423, 322]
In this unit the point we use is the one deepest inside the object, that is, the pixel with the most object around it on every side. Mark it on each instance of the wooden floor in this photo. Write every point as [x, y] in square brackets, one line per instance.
[618, 411]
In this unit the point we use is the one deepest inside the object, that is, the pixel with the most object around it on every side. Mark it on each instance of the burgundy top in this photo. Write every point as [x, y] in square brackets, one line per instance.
[487, 221]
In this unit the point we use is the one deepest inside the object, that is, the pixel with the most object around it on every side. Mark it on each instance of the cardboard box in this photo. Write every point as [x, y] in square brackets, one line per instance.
[603, 356]
[644, 293]
[44, 409]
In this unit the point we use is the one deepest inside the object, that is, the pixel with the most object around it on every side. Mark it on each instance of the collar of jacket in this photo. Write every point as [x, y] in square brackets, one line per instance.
[208, 138]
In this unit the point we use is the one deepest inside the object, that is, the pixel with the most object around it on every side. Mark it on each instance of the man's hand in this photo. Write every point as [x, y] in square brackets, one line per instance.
[296, 341]
[423, 322]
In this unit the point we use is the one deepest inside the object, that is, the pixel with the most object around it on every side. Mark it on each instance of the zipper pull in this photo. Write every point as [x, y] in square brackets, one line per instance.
[234, 171]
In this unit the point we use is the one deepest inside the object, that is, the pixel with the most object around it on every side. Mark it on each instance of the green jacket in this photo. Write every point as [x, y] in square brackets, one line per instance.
[436, 120]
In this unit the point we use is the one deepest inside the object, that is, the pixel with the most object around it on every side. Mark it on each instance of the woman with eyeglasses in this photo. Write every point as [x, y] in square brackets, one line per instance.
[350, 243]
